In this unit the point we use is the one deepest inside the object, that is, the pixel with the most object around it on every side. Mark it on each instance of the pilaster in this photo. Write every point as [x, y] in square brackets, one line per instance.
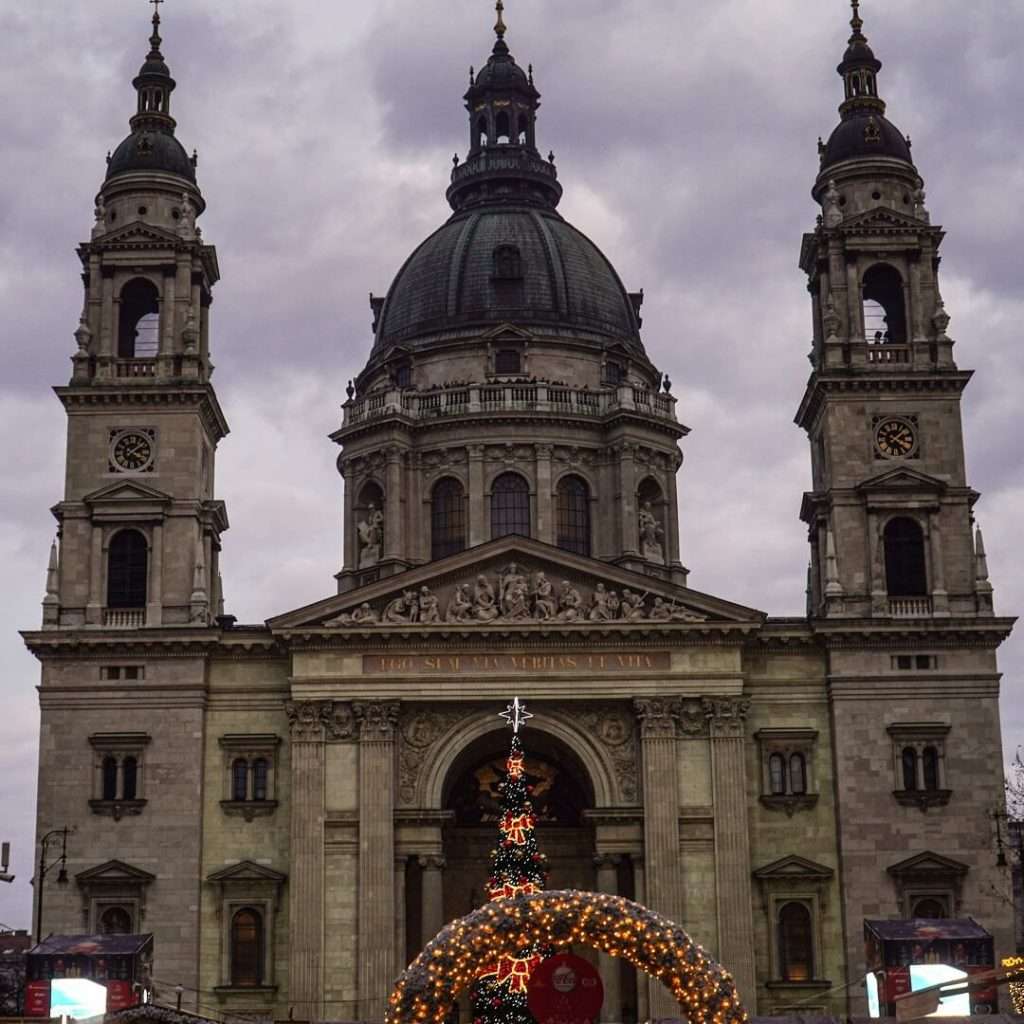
[433, 896]
[477, 521]
[545, 509]
[630, 537]
[306, 878]
[376, 911]
[727, 722]
[393, 535]
[657, 717]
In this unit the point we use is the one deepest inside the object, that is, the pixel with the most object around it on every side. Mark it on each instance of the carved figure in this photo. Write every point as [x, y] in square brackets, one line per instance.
[599, 609]
[831, 210]
[364, 615]
[920, 210]
[428, 607]
[544, 598]
[569, 603]
[371, 537]
[633, 608]
[460, 607]
[402, 609]
[515, 600]
[614, 604]
[483, 599]
[661, 612]
[650, 535]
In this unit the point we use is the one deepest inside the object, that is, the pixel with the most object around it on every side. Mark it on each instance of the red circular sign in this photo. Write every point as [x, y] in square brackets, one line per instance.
[565, 989]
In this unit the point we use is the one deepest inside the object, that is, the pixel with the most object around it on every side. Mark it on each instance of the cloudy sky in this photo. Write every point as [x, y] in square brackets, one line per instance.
[685, 133]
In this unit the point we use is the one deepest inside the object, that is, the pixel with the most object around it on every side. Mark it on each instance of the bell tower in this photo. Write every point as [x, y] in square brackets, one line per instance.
[890, 515]
[139, 527]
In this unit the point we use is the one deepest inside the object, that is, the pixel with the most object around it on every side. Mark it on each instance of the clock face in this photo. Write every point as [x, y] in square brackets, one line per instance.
[895, 438]
[132, 451]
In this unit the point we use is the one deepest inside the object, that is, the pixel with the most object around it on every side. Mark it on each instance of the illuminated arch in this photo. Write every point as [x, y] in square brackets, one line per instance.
[425, 992]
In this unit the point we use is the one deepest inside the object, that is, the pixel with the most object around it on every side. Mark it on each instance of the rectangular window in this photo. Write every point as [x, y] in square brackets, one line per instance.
[113, 672]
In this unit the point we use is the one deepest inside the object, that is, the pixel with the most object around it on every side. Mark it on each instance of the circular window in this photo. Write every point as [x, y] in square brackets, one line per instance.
[143, 210]
[876, 195]
[176, 213]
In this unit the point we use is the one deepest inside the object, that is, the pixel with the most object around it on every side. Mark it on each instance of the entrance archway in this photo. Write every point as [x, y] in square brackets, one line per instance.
[425, 992]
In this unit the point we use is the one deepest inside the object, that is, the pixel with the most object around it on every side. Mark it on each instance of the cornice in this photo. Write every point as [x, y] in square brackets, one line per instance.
[159, 642]
[885, 633]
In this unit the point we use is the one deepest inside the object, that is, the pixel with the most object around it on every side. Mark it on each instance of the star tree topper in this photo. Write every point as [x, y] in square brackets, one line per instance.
[515, 715]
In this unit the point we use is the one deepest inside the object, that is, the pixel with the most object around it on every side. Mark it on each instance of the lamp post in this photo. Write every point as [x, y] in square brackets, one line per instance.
[51, 838]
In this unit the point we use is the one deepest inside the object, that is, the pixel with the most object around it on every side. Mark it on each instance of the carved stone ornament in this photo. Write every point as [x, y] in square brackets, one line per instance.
[341, 722]
[830, 319]
[615, 729]
[657, 716]
[832, 213]
[419, 732]
[518, 594]
[692, 719]
[941, 319]
[651, 533]
[371, 537]
[306, 718]
[726, 716]
[376, 719]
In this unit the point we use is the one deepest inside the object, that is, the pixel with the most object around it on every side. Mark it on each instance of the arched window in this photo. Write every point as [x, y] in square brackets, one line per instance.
[909, 761]
[523, 130]
[368, 524]
[777, 774]
[115, 921]
[127, 570]
[885, 314]
[138, 335]
[930, 767]
[510, 506]
[796, 943]
[573, 515]
[503, 129]
[239, 779]
[129, 778]
[447, 518]
[929, 907]
[797, 773]
[905, 571]
[109, 770]
[259, 779]
[481, 130]
[247, 948]
[613, 373]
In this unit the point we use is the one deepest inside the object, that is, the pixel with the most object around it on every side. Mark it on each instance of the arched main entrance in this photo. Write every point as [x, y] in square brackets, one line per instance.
[614, 925]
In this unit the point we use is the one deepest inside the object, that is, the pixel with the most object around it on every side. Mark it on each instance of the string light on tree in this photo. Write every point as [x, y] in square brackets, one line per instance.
[518, 868]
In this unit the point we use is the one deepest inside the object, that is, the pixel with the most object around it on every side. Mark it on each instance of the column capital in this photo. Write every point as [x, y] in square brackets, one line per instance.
[307, 718]
[376, 719]
[544, 451]
[726, 716]
[607, 860]
[657, 716]
[432, 862]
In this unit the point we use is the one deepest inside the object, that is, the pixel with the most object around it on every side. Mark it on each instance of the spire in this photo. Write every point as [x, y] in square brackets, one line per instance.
[51, 602]
[856, 23]
[859, 69]
[154, 84]
[154, 39]
[983, 590]
[499, 25]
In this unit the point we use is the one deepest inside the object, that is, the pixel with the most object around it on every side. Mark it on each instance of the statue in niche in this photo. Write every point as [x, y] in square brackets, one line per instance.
[428, 607]
[371, 537]
[651, 533]
[460, 606]
[485, 607]
[569, 603]
[544, 598]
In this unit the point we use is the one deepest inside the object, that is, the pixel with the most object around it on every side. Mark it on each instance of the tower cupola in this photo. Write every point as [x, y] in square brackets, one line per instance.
[503, 164]
[152, 146]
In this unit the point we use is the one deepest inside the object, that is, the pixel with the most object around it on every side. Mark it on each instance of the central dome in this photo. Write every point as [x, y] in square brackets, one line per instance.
[491, 265]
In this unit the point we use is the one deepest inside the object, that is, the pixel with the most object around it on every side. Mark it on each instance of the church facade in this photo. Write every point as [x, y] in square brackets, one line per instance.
[294, 808]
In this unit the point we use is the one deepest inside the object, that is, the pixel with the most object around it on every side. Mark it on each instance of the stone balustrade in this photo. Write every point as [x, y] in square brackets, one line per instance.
[124, 618]
[910, 607]
[508, 397]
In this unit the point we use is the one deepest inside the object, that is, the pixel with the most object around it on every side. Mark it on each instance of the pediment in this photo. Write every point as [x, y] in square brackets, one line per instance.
[903, 479]
[247, 871]
[881, 218]
[793, 867]
[928, 863]
[135, 234]
[515, 581]
[114, 872]
[126, 490]
[507, 332]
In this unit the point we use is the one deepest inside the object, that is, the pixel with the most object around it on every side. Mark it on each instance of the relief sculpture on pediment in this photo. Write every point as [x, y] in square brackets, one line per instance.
[516, 594]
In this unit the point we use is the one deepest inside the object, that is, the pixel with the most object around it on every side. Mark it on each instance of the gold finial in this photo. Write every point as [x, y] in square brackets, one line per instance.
[855, 22]
[499, 25]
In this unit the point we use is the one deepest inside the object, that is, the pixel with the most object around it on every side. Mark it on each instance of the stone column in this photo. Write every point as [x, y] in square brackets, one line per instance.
[657, 716]
[629, 538]
[393, 547]
[940, 596]
[611, 967]
[97, 596]
[477, 521]
[168, 313]
[726, 719]
[643, 980]
[108, 326]
[400, 940]
[155, 603]
[376, 895]
[417, 515]
[672, 526]
[350, 533]
[432, 914]
[306, 877]
[545, 508]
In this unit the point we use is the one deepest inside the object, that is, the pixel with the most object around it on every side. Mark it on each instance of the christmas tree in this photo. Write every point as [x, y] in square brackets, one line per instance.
[517, 869]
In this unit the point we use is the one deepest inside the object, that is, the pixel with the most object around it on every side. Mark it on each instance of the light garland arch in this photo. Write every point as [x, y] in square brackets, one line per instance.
[503, 930]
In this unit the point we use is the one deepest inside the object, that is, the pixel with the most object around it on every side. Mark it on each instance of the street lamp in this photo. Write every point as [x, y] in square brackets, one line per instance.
[51, 838]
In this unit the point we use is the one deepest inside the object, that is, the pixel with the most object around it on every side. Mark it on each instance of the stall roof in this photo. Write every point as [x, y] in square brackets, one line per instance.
[927, 928]
[92, 945]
